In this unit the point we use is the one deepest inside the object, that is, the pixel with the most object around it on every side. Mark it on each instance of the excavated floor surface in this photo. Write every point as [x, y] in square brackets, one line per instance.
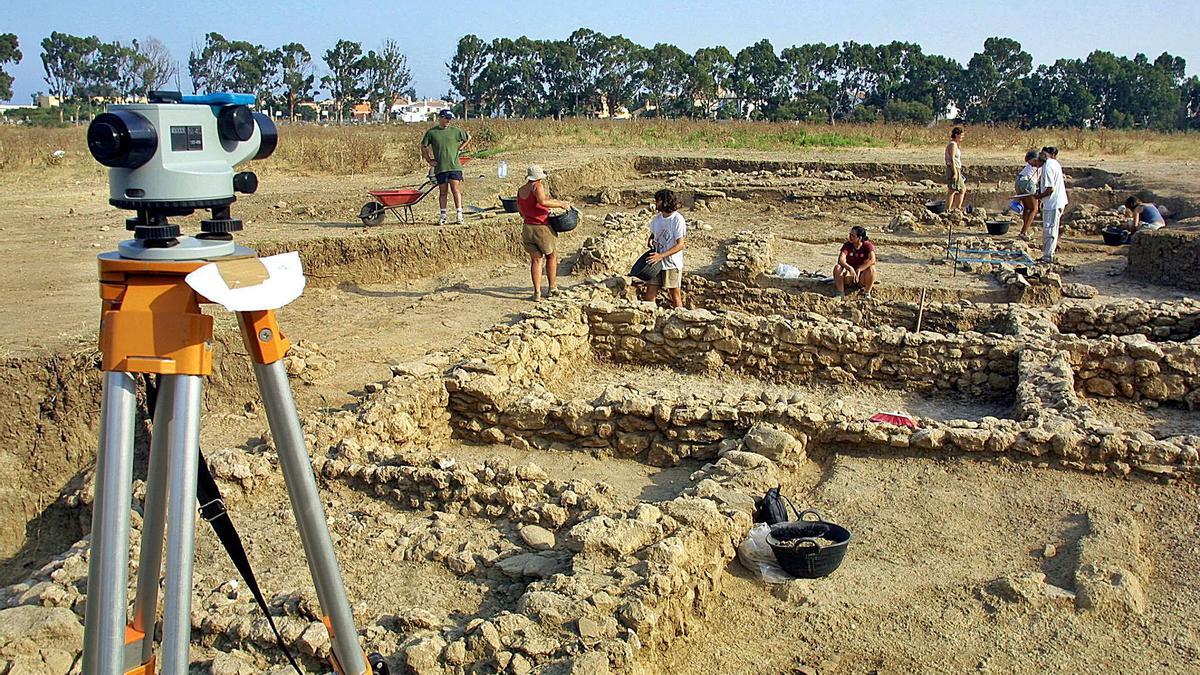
[933, 535]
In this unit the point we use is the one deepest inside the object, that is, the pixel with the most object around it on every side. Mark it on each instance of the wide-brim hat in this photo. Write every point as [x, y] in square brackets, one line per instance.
[535, 172]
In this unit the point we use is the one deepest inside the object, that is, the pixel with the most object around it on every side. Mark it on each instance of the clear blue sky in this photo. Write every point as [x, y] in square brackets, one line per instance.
[428, 31]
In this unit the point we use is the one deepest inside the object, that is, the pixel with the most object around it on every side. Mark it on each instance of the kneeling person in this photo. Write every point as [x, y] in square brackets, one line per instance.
[668, 238]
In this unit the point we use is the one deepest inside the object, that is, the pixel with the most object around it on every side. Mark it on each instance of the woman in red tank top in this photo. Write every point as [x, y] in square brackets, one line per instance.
[538, 238]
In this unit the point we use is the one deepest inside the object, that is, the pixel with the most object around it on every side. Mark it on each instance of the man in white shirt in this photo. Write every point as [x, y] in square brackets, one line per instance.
[668, 238]
[1052, 191]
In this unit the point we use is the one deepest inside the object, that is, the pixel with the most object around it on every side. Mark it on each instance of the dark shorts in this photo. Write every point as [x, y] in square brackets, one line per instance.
[447, 176]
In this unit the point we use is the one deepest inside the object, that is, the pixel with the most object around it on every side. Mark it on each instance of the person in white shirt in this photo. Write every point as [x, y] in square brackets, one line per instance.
[668, 238]
[1052, 192]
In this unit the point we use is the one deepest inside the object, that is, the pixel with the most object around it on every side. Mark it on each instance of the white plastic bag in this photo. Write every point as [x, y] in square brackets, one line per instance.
[785, 271]
[755, 554]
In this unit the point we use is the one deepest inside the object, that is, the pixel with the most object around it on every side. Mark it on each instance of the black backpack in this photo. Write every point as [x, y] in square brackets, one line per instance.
[773, 508]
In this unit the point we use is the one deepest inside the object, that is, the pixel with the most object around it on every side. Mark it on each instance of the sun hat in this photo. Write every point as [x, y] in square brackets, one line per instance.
[446, 113]
[535, 172]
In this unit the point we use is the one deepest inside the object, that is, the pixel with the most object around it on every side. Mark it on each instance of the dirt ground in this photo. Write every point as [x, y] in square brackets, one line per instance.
[929, 533]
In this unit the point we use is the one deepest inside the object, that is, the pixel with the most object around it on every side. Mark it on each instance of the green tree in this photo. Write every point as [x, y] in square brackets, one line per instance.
[589, 47]
[666, 73]
[234, 65]
[991, 89]
[1060, 96]
[561, 71]
[757, 74]
[623, 70]
[344, 81]
[10, 52]
[296, 77]
[211, 67]
[805, 70]
[68, 63]
[464, 69]
[386, 76]
[1189, 107]
[708, 79]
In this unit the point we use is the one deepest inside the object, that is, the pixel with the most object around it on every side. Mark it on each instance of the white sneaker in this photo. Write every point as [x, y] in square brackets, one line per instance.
[460, 217]
[442, 220]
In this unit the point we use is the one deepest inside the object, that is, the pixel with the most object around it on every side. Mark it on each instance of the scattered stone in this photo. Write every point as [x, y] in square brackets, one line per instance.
[538, 538]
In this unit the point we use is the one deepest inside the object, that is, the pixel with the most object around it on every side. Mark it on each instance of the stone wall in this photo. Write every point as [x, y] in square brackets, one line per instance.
[748, 256]
[614, 250]
[1168, 256]
[1159, 321]
[941, 317]
[1132, 367]
[799, 348]
[409, 412]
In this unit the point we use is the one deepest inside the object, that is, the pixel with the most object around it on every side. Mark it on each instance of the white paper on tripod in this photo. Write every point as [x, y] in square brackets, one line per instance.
[284, 283]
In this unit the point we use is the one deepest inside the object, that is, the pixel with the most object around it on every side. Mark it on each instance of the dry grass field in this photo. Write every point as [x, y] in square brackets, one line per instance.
[315, 150]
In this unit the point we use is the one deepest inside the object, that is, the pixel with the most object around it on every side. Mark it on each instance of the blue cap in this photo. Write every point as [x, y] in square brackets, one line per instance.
[446, 114]
[219, 98]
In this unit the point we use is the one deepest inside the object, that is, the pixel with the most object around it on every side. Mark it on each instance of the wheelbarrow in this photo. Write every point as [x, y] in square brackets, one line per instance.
[399, 200]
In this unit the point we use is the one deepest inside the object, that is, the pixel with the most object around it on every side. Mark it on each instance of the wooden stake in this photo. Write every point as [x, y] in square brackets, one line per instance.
[921, 310]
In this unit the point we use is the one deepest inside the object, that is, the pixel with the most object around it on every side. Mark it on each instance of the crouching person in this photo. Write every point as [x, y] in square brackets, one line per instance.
[668, 238]
[856, 263]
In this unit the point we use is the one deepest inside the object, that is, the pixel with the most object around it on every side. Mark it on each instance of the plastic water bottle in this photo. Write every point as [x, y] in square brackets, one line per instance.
[502, 169]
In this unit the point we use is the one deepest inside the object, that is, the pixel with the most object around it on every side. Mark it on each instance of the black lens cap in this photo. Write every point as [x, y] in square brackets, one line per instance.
[235, 123]
[122, 139]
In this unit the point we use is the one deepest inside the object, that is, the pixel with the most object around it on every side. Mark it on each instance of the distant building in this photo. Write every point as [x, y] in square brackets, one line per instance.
[48, 101]
[421, 110]
[361, 112]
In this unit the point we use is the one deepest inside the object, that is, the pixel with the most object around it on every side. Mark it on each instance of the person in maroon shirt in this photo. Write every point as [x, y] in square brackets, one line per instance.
[856, 263]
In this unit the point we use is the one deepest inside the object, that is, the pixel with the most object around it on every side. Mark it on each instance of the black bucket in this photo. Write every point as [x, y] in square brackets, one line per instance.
[509, 204]
[1115, 236]
[997, 227]
[565, 222]
[938, 207]
[799, 548]
[644, 270]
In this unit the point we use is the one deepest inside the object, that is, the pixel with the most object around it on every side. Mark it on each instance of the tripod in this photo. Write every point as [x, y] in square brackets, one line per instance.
[151, 323]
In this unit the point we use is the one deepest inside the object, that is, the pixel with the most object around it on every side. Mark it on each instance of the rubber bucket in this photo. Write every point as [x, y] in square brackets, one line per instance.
[936, 207]
[509, 204]
[1115, 236]
[998, 226]
[565, 222]
[809, 549]
[644, 270]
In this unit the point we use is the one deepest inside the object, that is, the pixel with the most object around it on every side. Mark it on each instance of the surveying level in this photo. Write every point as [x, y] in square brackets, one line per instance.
[168, 158]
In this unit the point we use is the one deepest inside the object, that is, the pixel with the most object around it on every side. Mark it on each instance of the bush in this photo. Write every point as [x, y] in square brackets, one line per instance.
[865, 114]
[907, 112]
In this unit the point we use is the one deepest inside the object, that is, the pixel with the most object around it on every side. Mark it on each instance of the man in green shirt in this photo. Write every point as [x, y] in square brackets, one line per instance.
[440, 147]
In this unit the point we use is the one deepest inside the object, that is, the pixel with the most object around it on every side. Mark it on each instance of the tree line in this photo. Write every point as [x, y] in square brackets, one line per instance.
[590, 71]
[80, 69]
[895, 82]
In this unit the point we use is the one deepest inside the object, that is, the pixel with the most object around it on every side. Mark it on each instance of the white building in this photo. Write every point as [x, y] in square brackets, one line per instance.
[421, 110]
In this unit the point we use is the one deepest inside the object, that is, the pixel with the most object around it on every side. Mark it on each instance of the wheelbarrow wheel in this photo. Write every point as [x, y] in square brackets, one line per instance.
[372, 213]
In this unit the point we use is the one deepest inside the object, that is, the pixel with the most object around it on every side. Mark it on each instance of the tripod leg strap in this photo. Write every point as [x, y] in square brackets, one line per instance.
[212, 509]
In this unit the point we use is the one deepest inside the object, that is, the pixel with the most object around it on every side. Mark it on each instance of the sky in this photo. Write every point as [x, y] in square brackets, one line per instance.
[429, 31]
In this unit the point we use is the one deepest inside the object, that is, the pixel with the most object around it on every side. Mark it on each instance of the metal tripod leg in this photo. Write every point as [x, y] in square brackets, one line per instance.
[154, 513]
[310, 517]
[183, 453]
[108, 566]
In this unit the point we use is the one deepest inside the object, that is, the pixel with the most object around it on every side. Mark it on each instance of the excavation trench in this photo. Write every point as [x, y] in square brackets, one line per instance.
[52, 401]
